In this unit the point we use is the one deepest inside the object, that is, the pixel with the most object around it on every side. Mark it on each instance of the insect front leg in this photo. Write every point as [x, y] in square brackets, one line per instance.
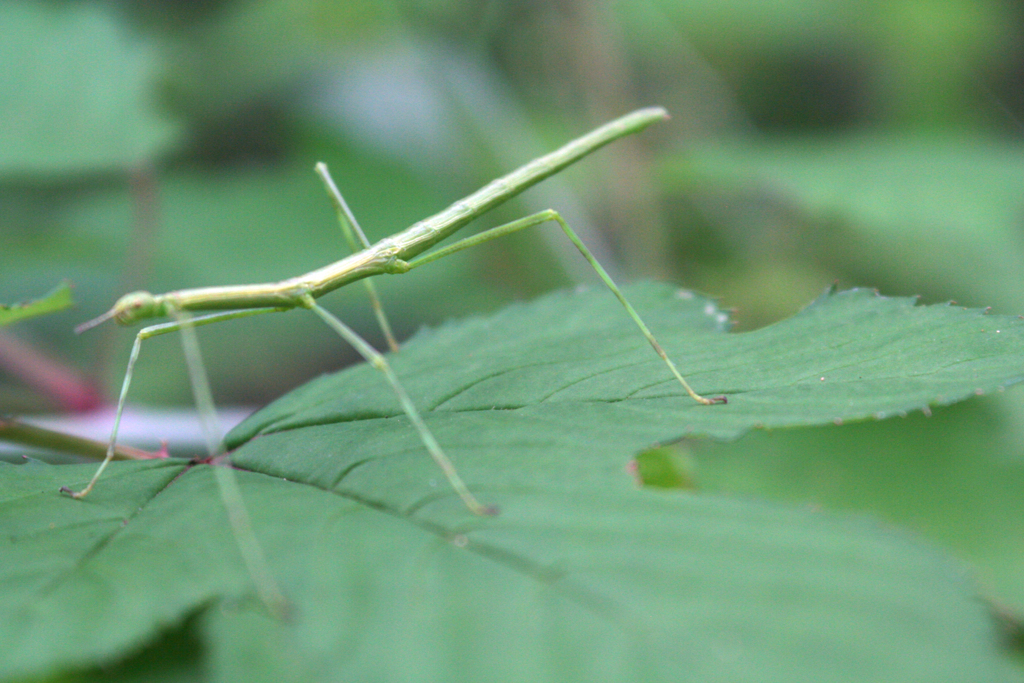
[144, 333]
[249, 547]
[147, 333]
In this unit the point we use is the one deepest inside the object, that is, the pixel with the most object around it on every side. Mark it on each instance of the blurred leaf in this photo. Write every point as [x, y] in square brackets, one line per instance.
[955, 477]
[258, 51]
[583, 576]
[733, 26]
[666, 467]
[57, 300]
[799, 64]
[76, 91]
[917, 214]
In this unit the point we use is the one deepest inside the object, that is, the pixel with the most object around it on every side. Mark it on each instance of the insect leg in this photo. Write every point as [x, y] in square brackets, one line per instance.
[552, 215]
[350, 228]
[378, 361]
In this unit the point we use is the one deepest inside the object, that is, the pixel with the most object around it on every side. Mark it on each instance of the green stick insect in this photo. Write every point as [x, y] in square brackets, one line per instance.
[396, 254]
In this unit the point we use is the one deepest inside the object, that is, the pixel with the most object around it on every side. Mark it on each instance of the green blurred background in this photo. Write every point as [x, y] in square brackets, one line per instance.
[165, 144]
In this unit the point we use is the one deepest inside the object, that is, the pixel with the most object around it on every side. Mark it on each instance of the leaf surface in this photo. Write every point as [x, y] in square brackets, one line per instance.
[583, 576]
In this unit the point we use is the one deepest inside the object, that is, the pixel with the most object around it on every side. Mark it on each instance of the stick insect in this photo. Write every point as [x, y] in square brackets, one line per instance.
[396, 254]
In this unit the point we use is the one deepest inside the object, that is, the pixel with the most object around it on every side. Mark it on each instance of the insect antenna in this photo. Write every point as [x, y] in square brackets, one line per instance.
[94, 322]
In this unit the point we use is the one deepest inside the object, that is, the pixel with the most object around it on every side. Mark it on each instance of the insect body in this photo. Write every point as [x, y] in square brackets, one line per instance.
[396, 254]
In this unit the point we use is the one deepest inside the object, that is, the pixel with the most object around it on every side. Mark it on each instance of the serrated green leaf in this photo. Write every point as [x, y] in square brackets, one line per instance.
[849, 355]
[583, 576]
[57, 300]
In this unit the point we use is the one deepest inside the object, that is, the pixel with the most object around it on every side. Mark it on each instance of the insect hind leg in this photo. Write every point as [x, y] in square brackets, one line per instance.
[550, 215]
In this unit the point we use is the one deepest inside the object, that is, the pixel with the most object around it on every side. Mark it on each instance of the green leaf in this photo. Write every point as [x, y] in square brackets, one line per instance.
[849, 355]
[954, 476]
[884, 196]
[77, 91]
[583, 576]
[57, 300]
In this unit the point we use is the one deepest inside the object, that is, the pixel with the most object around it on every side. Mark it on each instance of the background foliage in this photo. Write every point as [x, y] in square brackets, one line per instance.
[161, 145]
